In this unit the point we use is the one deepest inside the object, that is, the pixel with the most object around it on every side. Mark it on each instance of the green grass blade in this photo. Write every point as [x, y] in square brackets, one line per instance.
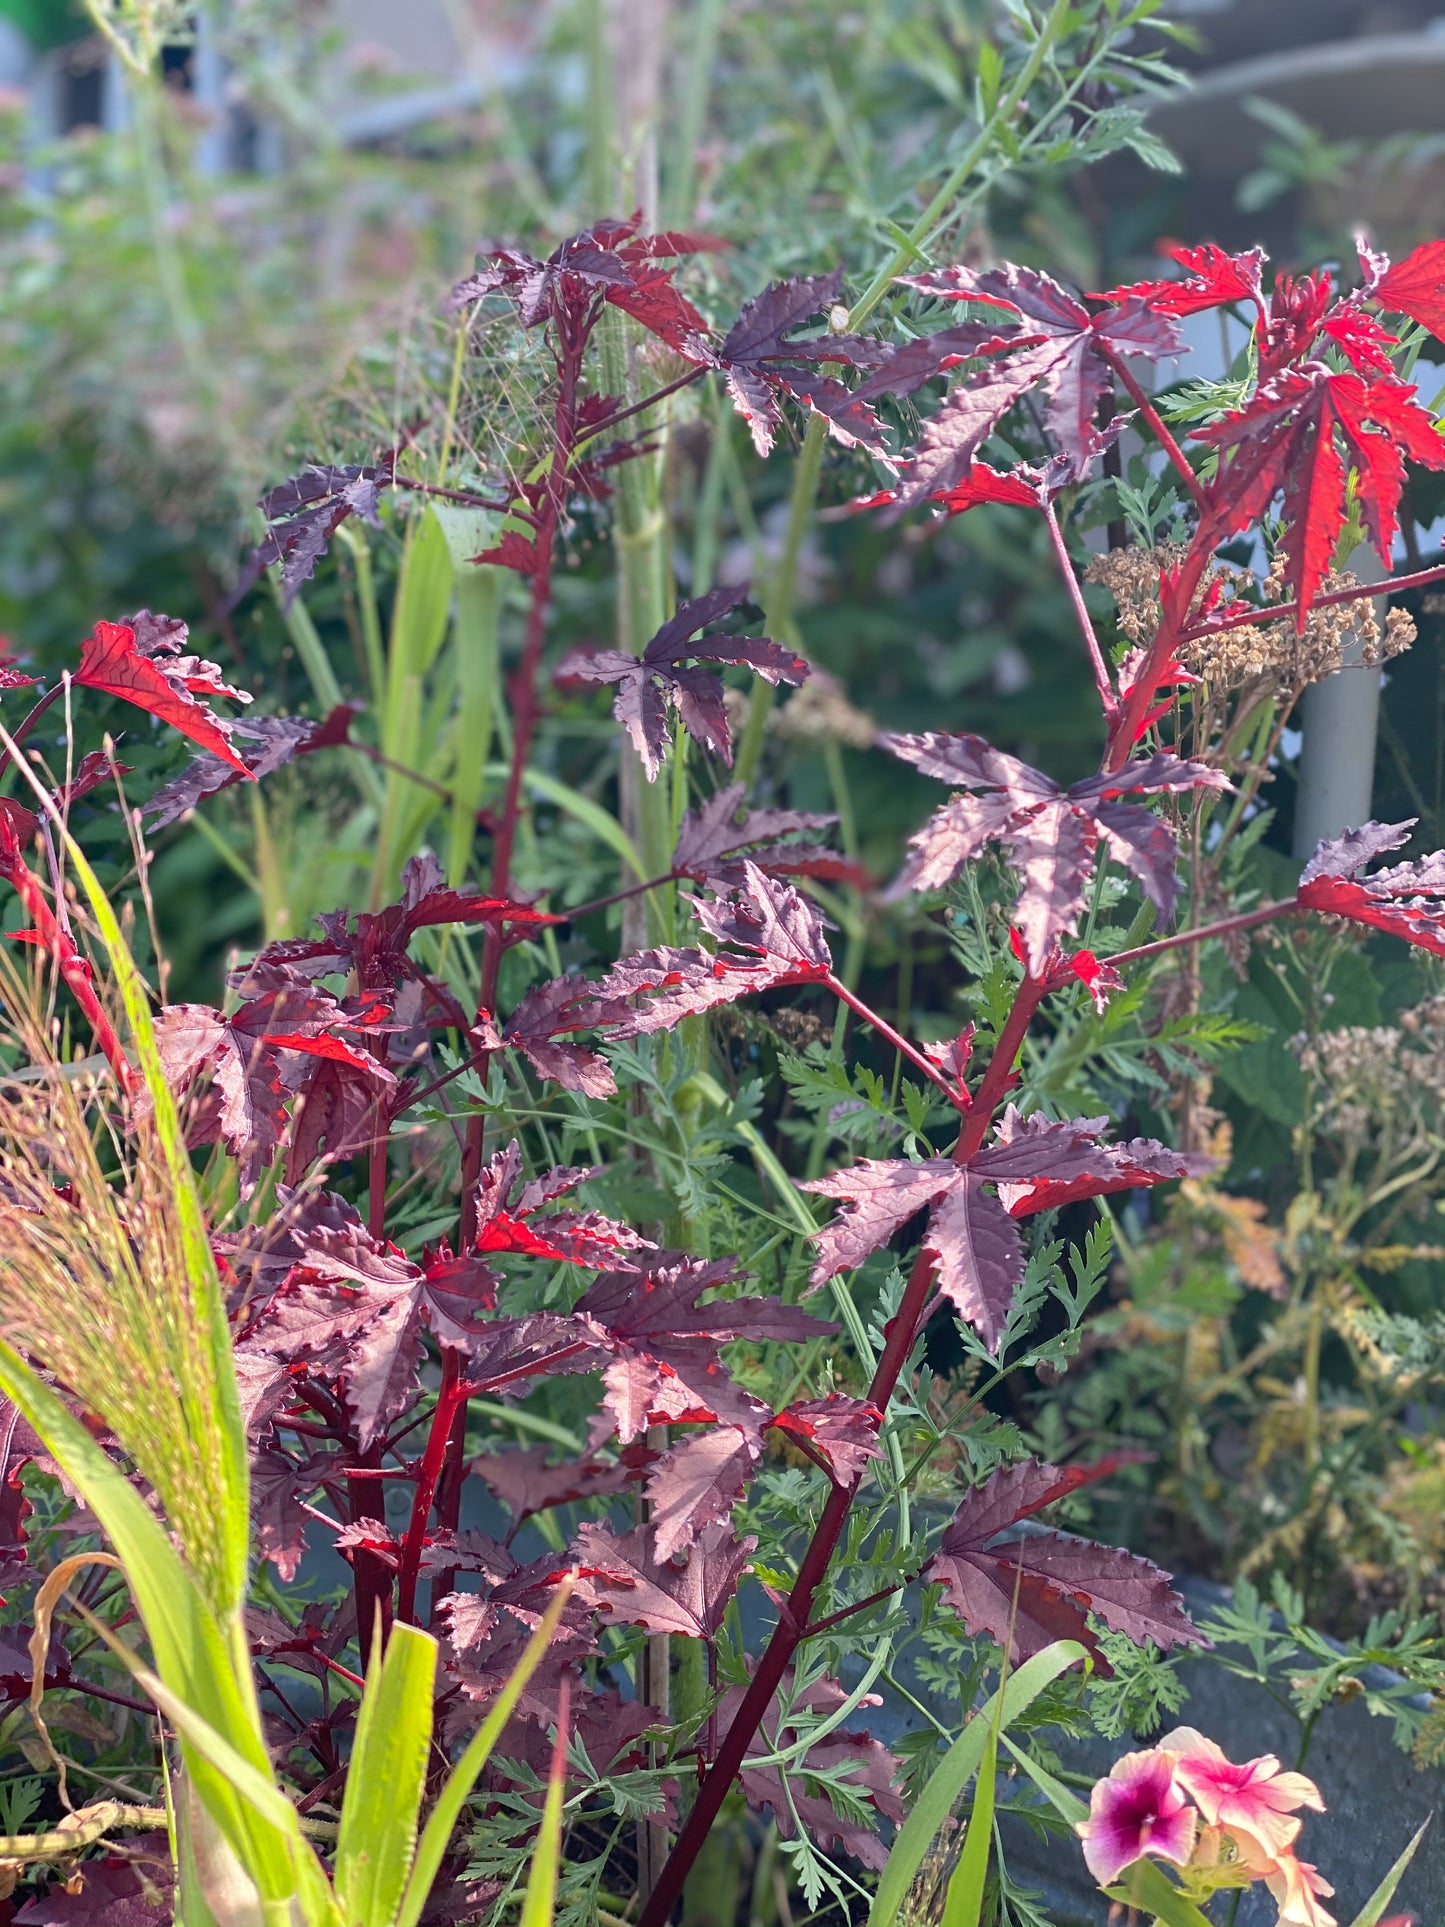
[1063, 1800]
[386, 1780]
[539, 1902]
[964, 1902]
[1380, 1899]
[602, 823]
[441, 1822]
[1146, 1887]
[954, 1771]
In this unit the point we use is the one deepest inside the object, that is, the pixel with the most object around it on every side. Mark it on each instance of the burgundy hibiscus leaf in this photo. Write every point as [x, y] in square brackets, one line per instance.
[542, 1023]
[629, 1585]
[278, 1518]
[1407, 900]
[1028, 1591]
[303, 513]
[1301, 436]
[608, 262]
[842, 1432]
[769, 935]
[527, 1482]
[1056, 347]
[849, 1755]
[143, 662]
[697, 1483]
[107, 1893]
[509, 1217]
[1038, 1165]
[1051, 834]
[763, 359]
[715, 836]
[262, 744]
[660, 676]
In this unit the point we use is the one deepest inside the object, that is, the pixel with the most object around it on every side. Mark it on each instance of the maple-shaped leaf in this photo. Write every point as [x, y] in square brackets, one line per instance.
[527, 1482]
[1213, 278]
[864, 1766]
[1055, 347]
[261, 744]
[1039, 1165]
[977, 1253]
[609, 262]
[763, 359]
[1407, 900]
[278, 1518]
[1299, 436]
[713, 838]
[629, 1585]
[1051, 834]
[1028, 1591]
[978, 1256]
[256, 1059]
[548, 1014]
[1413, 287]
[665, 1343]
[507, 1216]
[771, 935]
[659, 677]
[840, 1431]
[698, 1482]
[303, 513]
[160, 679]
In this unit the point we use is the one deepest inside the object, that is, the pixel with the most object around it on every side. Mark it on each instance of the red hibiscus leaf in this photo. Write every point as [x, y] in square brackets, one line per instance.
[1407, 900]
[527, 1483]
[110, 661]
[1213, 278]
[841, 1431]
[1416, 287]
[1026, 1592]
[978, 1255]
[696, 1484]
[513, 551]
[628, 1584]
[878, 1197]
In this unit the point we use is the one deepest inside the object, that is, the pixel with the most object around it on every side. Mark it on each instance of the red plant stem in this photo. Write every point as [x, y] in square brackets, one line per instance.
[73, 968]
[1105, 687]
[376, 1170]
[788, 1634]
[1156, 421]
[859, 1605]
[900, 1043]
[28, 722]
[1176, 601]
[465, 496]
[370, 1573]
[621, 896]
[450, 1396]
[1287, 610]
[1201, 932]
[594, 429]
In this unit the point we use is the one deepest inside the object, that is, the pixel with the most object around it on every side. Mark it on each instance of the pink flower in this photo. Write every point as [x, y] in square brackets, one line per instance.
[1255, 1800]
[1296, 1886]
[1138, 1809]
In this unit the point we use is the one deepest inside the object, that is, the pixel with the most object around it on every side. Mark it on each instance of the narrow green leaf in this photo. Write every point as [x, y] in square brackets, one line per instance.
[423, 599]
[1062, 1798]
[437, 1833]
[539, 1902]
[964, 1902]
[954, 1771]
[386, 1780]
[1380, 1899]
[602, 823]
[1148, 1888]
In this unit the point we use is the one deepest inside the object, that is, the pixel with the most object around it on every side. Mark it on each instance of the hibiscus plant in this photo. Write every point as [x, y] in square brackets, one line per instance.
[462, 1157]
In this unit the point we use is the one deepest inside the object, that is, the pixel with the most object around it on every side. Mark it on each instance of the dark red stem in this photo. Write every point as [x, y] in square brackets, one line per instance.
[28, 722]
[1156, 421]
[793, 1621]
[900, 1043]
[594, 429]
[1108, 701]
[451, 1395]
[1201, 932]
[1285, 611]
[74, 970]
[370, 1573]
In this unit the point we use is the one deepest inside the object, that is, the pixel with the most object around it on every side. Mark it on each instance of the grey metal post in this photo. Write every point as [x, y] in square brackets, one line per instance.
[1339, 717]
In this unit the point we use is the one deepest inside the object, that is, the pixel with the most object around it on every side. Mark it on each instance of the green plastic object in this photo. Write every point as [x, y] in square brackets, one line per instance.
[45, 23]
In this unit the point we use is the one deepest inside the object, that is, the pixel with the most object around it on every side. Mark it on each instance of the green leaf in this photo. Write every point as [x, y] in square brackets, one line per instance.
[387, 1777]
[990, 77]
[954, 1771]
[423, 600]
[436, 1835]
[1380, 1899]
[602, 823]
[539, 1902]
[964, 1902]
[1063, 1801]
[1147, 1887]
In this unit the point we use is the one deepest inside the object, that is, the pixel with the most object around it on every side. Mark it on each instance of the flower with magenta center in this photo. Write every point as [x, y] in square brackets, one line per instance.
[1139, 1809]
